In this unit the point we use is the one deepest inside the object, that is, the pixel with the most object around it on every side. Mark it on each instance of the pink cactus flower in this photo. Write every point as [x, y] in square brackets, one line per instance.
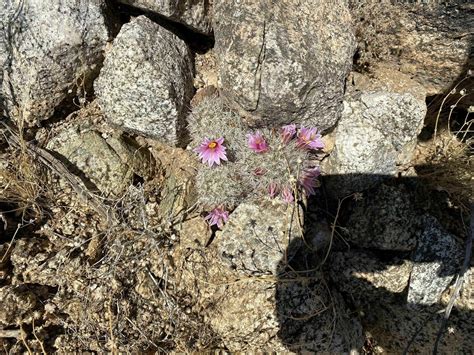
[287, 195]
[309, 181]
[273, 190]
[309, 138]
[212, 151]
[218, 216]
[288, 132]
[257, 143]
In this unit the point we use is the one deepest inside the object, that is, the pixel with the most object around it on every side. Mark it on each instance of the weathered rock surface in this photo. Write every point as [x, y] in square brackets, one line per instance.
[384, 219]
[367, 278]
[377, 133]
[284, 61]
[53, 49]
[147, 81]
[431, 42]
[192, 13]
[108, 162]
[256, 237]
[437, 258]
[16, 305]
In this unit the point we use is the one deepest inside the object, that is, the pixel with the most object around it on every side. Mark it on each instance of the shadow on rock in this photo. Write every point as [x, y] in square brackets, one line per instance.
[383, 276]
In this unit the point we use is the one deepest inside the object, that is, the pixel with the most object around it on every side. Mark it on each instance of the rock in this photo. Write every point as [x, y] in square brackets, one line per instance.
[53, 53]
[17, 307]
[146, 82]
[367, 278]
[107, 163]
[437, 259]
[284, 61]
[376, 134]
[256, 237]
[384, 219]
[291, 315]
[392, 326]
[431, 42]
[191, 13]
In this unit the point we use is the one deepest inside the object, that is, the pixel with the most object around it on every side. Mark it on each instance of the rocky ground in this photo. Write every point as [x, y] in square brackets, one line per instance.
[104, 246]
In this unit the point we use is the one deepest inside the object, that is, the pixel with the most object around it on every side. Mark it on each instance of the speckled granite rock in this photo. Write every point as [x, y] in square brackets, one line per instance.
[367, 278]
[54, 48]
[257, 236]
[147, 81]
[385, 219]
[437, 259]
[194, 14]
[284, 61]
[377, 132]
[429, 41]
[288, 315]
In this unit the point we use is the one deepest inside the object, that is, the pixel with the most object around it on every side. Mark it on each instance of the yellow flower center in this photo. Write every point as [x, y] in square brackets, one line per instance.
[212, 145]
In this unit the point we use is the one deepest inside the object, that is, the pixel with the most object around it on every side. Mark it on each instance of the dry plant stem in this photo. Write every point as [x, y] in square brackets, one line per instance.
[441, 108]
[459, 281]
[10, 333]
[11, 242]
[39, 341]
[23, 339]
[58, 167]
[451, 111]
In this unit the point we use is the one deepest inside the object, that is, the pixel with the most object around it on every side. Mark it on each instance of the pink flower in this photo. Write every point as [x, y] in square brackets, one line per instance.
[287, 195]
[257, 143]
[309, 180]
[288, 132]
[309, 138]
[218, 216]
[212, 151]
[273, 189]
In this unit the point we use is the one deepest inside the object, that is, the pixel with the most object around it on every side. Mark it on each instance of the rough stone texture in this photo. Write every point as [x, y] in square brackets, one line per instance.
[431, 41]
[290, 315]
[367, 278]
[437, 258]
[256, 237]
[377, 132]
[16, 305]
[146, 82]
[284, 60]
[392, 326]
[53, 52]
[194, 14]
[107, 162]
[385, 219]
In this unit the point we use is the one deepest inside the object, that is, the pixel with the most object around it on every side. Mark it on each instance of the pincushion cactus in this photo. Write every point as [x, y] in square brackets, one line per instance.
[240, 164]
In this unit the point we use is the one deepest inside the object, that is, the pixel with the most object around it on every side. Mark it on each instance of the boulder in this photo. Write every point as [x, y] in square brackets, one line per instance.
[191, 13]
[105, 162]
[284, 61]
[256, 237]
[146, 82]
[437, 258]
[367, 278]
[53, 52]
[385, 219]
[429, 41]
[377, 132]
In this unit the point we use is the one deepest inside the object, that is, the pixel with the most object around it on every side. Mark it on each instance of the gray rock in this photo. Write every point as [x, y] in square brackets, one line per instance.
[52, 52]
[107, 161]
[146, 82]
[288, 315]
[429, 41]
[376, 134]
[437, 259]
[284, 61]
[256, 237]
[192, 13]
[367, 278]
[384, 219]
